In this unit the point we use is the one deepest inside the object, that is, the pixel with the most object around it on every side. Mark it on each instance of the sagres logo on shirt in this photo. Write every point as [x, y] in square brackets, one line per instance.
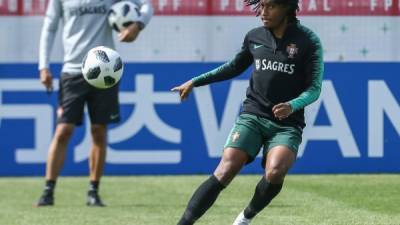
[83, 10]
[264, 64]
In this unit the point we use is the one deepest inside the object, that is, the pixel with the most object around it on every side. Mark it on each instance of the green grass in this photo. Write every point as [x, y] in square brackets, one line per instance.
[160, 200]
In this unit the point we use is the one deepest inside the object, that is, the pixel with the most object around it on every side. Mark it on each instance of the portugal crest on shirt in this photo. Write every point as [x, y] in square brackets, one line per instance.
[292, 50]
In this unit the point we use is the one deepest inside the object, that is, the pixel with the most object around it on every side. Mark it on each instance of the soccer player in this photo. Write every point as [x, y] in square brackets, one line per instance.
[85, 26]
[287, 77]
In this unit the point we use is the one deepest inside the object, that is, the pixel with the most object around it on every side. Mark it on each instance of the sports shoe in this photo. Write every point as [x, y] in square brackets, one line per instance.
[93, 199]
[46, 199]
[241, 220]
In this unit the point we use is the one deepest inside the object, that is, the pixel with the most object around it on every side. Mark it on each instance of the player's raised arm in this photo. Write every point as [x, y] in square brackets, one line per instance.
[229, 70]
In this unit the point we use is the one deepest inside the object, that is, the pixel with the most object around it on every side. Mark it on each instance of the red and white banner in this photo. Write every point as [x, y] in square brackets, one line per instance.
[213, 30]
[231, 7]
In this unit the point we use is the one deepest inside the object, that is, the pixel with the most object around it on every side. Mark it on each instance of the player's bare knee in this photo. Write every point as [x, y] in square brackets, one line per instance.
[276, 174]
[63, 134]
[223, 176]
[225, 172]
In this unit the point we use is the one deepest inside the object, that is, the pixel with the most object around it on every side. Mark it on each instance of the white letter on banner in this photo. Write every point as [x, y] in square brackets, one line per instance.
[239, 5]
[162, 4]
[326, 6]
[214, 134]
[12, 6]
[176, 4]
[373, 5]
[380, 102]
[388, 4]
[144, 115]
[28, 7]
[339, 129]
[312, 5]
[42, 115]
[224, 4]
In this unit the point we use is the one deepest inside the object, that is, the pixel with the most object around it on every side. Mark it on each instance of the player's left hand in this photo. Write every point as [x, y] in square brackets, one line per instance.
[282, 110]
[184, 89]
[130, 33]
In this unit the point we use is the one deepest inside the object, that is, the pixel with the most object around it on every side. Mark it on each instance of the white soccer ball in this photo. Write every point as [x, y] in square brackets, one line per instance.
[122, 14]
[102, 67]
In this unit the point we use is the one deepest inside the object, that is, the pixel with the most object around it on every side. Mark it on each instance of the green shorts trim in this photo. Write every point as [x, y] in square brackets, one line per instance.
[251, 132]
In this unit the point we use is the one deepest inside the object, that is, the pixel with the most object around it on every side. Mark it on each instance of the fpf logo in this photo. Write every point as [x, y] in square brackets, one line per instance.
[292, 50]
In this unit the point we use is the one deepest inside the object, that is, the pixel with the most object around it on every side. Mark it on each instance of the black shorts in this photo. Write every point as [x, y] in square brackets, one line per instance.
[103, 104]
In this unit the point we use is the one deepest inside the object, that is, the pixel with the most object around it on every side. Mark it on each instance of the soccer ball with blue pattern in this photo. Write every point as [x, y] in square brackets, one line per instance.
[102, 67]
[122, 14]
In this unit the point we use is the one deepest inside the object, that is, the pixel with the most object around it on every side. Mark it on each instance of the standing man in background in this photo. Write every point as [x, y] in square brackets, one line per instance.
[85, 26]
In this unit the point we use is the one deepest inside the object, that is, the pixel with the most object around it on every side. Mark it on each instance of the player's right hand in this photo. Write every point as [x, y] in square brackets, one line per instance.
[47, 79]
[184, 89]
[130, 33]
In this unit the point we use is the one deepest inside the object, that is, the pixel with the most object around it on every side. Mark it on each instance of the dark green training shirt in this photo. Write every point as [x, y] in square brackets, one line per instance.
[285, 70]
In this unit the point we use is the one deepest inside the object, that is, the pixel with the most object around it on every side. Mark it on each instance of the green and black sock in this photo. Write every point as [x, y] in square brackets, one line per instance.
[202, 199]
[263, 195]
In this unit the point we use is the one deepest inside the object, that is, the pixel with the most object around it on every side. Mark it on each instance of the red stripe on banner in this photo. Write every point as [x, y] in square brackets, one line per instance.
[22, 7]
[231, 7]
[350, 7]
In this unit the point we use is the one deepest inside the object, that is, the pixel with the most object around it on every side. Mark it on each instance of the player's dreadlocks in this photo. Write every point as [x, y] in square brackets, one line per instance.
[256, 4]
[292, 4]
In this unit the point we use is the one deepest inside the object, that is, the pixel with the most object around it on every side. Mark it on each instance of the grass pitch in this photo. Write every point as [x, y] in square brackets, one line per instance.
[160, 200]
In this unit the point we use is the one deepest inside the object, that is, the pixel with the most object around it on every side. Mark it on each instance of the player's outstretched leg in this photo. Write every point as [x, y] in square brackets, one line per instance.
[241, 220]
[206, 194]
[202, 199]
[264, 193]
[279, 160]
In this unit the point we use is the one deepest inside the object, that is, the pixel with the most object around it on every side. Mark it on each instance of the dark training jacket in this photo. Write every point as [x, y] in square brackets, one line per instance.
[285, 70]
